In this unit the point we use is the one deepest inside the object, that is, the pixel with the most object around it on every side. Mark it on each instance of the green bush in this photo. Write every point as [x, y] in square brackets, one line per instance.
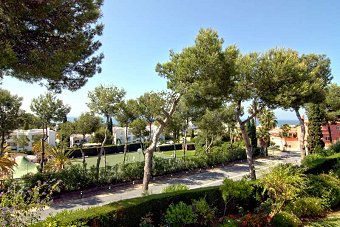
[120, 213]
[285, 219]
[335, 147]
[325, 187]
[235, 193]
[306, 207]
[284, 183]
[320, 164]
[180, 214]
[175, 188]
[205, 214]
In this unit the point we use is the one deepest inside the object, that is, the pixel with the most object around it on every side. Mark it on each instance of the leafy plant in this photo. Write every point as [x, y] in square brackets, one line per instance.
[206, 214]
[179, 214]
[235, 190]
[325, 187]
[283, 184]
[20, 207]
[306, 206]
[175, 187]
[285, 219]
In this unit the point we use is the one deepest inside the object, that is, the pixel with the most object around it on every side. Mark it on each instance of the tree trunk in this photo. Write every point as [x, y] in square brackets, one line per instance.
[126, 143]
[100, 155]
[2, 148]
[150, 136]
[43, 139]
[148, 158]
[303, 132]
[329, 132]
[175, 156]
[249, 151]
[82, 152]
[185, 137]
[150, 150]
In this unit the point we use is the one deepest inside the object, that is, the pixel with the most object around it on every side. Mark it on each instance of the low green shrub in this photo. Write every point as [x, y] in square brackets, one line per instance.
[175, 188]
[325, 187]
[120, 213]
[285, 219]
[180, 214]
[306, 207]
[235, 193]
[320, 164]
[205, 214]
[335, 147]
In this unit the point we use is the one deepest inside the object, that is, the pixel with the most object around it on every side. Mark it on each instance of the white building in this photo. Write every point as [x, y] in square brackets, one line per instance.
[76, 139]
[119, 135]
[32, 135]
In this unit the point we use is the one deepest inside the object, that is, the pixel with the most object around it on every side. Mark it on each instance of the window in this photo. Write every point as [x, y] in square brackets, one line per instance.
[327, 138]
[338, 128]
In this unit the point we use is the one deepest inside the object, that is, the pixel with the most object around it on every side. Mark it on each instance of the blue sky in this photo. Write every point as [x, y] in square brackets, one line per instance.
[139, 34]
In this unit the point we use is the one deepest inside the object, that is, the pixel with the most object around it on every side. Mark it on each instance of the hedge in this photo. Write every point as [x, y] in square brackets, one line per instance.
[129, 212]
[115, 149]
[317, 164]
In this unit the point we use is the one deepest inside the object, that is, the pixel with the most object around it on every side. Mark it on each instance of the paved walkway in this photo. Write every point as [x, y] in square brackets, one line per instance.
[195, 179]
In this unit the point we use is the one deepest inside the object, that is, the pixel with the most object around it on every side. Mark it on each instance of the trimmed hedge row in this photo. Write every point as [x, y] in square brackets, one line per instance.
[315, 164]
[132, 147]
[119, 213]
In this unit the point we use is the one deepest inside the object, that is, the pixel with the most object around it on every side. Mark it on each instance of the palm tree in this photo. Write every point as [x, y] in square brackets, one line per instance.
[6, 166]
[268, 121]
[59, 159]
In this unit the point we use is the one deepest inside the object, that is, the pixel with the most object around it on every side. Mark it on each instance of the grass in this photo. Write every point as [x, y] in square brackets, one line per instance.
[332, 220]
[114, 159]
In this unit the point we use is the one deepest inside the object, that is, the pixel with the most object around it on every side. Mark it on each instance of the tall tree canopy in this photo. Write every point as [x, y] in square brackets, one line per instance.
[9, 114]
[297, 80]
[104, 100]
[51, 41]
[49, 109]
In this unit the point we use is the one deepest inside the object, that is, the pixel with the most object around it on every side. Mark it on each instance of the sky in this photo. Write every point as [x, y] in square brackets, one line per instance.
[138, 34]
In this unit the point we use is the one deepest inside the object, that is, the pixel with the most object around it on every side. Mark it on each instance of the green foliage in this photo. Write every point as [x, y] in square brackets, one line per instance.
[28, 52]
[325, 187]
[175, 188]
[285, 219]
[120, 213]
[251, 129]
[236, 190]
[49, 108]
[284, 183]
[335, 147]
[180, 214]
[21, 207]
[306, 207]
[316, 117]
[320, 164]
[205, 214]
[9, 113]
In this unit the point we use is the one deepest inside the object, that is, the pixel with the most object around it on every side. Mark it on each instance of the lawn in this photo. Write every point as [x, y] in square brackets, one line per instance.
[332, 220]
[114, 159]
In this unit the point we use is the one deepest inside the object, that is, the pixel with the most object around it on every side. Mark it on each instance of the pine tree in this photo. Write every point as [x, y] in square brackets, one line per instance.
[316, 117]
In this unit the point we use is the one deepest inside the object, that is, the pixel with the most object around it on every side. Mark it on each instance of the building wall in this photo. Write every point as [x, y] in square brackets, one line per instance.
[335, 131]
[30, 135]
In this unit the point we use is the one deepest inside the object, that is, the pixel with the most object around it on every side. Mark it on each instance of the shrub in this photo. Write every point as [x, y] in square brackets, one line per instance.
[320, 164]
[283, 184]
[175, 188]
[325, 187]
[335, 147]
[285, 219]
[205, 213]
[306, 207]
[234, 192]
[180, 214]
[120, 213]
